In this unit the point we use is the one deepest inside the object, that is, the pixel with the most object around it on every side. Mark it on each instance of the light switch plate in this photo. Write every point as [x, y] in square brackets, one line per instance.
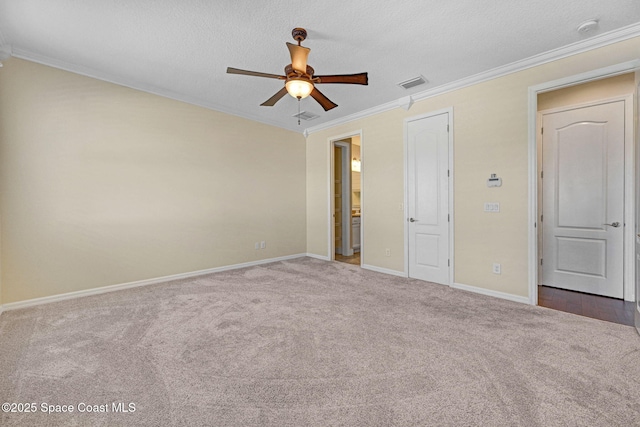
[492, 207]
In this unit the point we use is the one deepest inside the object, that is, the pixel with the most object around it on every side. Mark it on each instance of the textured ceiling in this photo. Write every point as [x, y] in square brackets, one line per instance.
[182, 48]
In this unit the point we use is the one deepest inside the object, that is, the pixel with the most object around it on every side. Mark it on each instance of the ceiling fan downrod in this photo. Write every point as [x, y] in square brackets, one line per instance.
[299, 34]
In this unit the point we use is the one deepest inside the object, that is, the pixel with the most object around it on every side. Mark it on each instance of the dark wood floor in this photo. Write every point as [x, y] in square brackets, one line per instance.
[594, 306]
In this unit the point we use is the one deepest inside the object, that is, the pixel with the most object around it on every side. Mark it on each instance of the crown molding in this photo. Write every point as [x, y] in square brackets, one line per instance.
[5, 49]
[582, 46]
[144, 87]
[5, 52]
[594, 42]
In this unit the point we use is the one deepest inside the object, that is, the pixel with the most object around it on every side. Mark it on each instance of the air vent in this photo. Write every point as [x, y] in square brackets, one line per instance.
[304, 115]
[416, 81]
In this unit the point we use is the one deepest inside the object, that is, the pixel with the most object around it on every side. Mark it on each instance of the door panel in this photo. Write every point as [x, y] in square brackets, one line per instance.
[426, 176]
[582, 256]
[583, 193]
[581, 170]
[427, 250]
[428, 198]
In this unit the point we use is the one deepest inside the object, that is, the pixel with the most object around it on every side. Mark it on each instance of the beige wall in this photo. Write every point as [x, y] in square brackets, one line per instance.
[490, 136]
[104, 185]
[592, 91]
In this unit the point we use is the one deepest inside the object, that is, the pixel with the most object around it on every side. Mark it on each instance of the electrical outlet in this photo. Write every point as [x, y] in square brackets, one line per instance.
[263, 244]
[387, 252]
[496, 268]
[257, 246]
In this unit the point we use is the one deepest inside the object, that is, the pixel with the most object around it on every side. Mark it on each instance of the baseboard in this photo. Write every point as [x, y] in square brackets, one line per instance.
[495, 294]
[323, 258]
[384, 270]
[129, 285]
[138, 283]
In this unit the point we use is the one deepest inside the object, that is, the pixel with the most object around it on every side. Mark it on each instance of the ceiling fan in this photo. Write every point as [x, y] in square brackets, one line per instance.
[299, 78]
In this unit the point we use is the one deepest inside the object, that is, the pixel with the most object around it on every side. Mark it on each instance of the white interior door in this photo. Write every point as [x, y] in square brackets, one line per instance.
[583, 199]
[428, 198]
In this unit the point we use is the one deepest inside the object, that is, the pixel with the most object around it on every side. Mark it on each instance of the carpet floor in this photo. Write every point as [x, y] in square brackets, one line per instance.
[313, 343]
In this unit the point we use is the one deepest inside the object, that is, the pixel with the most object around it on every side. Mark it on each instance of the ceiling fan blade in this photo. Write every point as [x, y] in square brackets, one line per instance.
[325, 102]
[299, 55]
[275, 98]
[254, 73]
[355, 79]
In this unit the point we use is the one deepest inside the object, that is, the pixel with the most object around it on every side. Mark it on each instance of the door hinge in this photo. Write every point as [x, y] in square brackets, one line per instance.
[541, 218]
[448, 217]
[540, 261]
[448, 263]
[541, 174]
[448, 171]
[447, 128]
[542, 131]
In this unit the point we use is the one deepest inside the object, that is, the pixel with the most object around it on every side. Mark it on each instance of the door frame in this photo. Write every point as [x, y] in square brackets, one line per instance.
[448, 111]
[345, 213]
[331, 202]
[636, 312]
[630, 148]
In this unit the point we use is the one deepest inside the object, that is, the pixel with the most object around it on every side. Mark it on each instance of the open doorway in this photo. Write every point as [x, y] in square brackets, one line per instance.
[585, 170]
[346, 198]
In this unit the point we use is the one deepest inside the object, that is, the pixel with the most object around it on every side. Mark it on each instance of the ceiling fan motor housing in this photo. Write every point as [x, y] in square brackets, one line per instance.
[289, 71]
[299, 34]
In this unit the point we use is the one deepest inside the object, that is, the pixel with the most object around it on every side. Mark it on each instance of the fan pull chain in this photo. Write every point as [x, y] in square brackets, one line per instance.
[298, 111]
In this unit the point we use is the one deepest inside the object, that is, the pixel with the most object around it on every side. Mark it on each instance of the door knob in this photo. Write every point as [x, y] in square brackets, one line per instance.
[614, 224]
[413, 220]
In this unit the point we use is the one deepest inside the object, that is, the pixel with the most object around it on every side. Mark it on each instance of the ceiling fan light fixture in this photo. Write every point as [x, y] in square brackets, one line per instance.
[300, 78]
[299, 88]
